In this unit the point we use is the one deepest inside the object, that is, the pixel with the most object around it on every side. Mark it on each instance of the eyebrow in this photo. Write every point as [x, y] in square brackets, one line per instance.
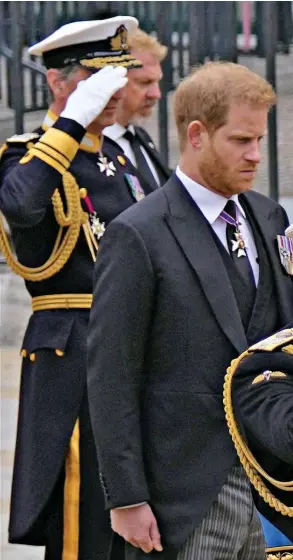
[247, 135]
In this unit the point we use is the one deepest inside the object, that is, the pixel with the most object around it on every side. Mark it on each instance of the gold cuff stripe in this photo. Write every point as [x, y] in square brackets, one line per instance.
[272, 375]
[71, 498]
[288, 548]
[61, 141]
[54, 154]
[280, 553]
[62, 301]
[47, 159]
[280, 556]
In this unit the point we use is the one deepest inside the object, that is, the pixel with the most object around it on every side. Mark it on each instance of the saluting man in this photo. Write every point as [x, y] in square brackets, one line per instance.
[59, 190]
[258, 396]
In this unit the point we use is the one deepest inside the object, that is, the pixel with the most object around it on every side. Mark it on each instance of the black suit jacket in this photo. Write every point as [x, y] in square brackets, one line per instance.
[264, 413]
[164, 327]
[162, 168]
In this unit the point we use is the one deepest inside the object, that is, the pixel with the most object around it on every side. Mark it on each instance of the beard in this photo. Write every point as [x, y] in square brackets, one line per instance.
[219, 177]
[146, 109]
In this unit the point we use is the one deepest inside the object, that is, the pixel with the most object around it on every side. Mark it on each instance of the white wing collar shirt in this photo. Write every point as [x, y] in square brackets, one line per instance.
[211, 205]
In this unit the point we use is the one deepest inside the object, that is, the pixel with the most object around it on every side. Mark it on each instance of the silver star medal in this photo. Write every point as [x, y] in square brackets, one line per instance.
[239, 244]
[97, 227]
[106, 166]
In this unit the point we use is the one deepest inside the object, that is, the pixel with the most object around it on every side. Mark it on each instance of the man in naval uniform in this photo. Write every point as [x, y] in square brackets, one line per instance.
[258, 396]
[141, 95]
[59, 189]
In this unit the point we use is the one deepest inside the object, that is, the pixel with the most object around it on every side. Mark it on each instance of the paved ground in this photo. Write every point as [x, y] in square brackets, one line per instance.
[15, 305]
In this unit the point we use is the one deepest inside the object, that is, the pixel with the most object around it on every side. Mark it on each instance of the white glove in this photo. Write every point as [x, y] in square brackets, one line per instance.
[92, 95]
[289, 231]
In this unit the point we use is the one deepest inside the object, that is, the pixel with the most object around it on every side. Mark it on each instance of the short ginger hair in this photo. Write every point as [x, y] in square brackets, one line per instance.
[140, 41]
[209, 91]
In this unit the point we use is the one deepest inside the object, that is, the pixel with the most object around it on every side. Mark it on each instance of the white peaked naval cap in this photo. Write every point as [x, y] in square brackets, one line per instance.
[92, 44]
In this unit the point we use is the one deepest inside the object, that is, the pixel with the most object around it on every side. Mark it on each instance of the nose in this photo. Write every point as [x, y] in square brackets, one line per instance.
[154, 91]
[253, 154]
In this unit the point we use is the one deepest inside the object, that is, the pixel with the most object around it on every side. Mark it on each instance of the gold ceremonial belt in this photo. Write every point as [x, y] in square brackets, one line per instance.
[62, 301]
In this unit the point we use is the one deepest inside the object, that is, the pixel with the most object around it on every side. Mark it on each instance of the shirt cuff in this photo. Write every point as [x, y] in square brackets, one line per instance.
[131, 506]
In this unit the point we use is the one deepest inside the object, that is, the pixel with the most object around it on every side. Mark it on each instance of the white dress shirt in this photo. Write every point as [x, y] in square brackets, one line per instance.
[116, 132]
[211, 205]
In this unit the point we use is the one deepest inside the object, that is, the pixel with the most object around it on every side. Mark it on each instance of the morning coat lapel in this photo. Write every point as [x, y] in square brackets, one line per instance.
[154, 155]
[193, 234]
[269, 228]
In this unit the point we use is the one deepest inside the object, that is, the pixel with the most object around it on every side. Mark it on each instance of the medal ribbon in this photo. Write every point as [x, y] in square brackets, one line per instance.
[238, 244]
[229, 219]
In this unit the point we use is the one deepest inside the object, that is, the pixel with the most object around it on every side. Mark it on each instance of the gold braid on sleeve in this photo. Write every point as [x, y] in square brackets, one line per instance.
[63, 248]
[252, 468]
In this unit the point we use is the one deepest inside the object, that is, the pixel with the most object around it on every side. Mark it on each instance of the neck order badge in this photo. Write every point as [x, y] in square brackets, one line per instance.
[229, 216]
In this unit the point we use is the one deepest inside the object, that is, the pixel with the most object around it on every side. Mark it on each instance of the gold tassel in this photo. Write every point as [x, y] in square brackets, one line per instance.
[86, 228]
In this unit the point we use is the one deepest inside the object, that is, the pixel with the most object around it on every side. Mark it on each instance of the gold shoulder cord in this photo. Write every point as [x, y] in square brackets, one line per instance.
[248, 461]
[74, 219]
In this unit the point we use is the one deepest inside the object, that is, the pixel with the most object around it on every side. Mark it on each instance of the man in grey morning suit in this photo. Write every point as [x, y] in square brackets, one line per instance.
[185, 281]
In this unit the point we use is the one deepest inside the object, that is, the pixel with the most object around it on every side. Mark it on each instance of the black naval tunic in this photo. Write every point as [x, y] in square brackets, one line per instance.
[53, 381]
[262, 397]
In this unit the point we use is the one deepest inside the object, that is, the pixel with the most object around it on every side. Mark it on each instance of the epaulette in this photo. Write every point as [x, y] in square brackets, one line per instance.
[19, 139]
[273, 342]
[23, 138]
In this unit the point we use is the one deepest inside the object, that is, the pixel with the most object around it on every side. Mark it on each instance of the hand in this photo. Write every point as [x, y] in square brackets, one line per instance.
[138, 526]
[91, 96]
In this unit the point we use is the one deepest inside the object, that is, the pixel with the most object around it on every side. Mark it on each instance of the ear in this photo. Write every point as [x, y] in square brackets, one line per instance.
[56, 84]
[195, 131]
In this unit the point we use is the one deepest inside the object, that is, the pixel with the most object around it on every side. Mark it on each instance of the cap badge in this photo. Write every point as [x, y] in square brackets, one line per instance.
[119, 42]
